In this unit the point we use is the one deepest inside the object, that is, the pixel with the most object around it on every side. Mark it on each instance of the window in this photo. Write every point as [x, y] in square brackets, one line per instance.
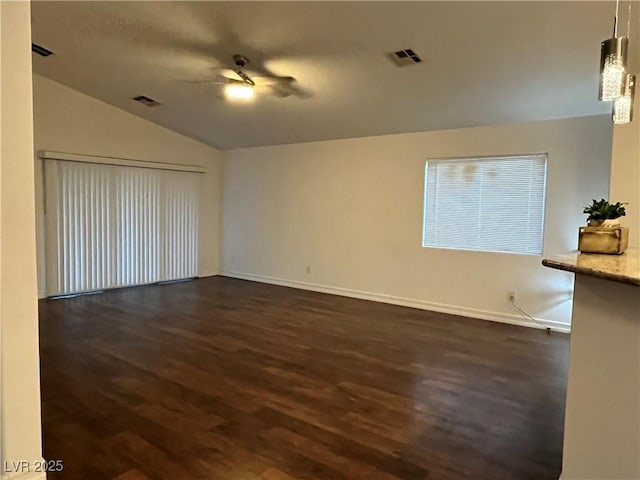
[487, 204]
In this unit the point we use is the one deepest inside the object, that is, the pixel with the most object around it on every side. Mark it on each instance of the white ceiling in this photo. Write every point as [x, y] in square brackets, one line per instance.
[484, 63]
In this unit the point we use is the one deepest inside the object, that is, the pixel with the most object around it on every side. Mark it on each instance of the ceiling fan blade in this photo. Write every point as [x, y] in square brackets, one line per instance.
[230, 74]
[301, 92]
[264, 81]
[281, 93]
[209, 82]
[272, 80]
[272, 91]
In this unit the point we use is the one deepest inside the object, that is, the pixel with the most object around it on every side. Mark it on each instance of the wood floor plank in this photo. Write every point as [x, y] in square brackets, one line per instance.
[133, 474]
[273, 473]
[225, 379]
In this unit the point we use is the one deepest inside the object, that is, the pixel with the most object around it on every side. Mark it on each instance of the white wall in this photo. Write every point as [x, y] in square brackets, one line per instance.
[68, 121]
[352, 211]
[20, 378]
[625, 171]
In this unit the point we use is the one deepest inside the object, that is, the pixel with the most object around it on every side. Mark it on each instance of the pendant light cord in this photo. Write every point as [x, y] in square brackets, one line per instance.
[615, 20]
[629, 20]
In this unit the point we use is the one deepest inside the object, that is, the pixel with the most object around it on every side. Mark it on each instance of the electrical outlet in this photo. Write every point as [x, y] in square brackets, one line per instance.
[308, 269]
[512, 295]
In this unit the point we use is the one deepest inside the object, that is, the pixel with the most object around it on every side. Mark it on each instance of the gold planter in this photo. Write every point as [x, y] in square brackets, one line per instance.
[611, 241]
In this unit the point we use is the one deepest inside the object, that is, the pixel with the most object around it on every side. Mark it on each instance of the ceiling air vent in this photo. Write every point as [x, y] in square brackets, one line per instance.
[149, 102]
[35, 48]
[403, 58]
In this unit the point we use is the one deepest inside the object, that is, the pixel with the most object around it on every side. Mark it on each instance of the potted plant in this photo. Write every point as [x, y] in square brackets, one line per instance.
[604, 214]
[604, 234]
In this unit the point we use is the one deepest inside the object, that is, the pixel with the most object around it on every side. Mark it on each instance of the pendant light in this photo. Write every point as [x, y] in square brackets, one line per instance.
[623, 105]
[613, 64]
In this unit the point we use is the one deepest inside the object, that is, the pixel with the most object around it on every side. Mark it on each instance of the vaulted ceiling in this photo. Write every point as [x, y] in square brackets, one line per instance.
[484, 63]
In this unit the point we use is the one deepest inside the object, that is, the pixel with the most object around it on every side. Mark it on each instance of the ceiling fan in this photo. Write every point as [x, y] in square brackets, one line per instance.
[238, 84]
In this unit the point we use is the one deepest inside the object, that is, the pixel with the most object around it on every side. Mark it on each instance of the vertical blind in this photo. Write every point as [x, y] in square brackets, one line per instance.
[113, 226]
[488, 204]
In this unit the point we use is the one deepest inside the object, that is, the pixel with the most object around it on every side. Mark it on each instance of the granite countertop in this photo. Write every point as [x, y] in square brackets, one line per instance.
[623, 268]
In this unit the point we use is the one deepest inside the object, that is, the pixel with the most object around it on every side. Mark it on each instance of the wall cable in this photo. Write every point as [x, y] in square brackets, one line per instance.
[529, 316]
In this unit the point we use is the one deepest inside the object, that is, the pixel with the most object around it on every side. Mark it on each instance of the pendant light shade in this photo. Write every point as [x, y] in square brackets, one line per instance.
[613, 64]
[623, 105]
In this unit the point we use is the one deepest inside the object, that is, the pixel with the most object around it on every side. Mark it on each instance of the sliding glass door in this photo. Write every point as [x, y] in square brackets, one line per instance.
[112, 226]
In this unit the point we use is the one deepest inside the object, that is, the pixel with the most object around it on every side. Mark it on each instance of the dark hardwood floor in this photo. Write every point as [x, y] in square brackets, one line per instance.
[233, 380]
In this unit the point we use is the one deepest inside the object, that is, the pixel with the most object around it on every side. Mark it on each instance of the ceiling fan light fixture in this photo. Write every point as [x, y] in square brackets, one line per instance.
[239, 91]
[623, 105]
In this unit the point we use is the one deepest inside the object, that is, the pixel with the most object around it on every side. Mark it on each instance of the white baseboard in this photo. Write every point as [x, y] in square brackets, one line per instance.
[207, 274]
[406, 302]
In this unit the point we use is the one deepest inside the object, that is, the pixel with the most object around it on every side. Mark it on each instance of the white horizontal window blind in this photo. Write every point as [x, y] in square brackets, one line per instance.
[487, 204]
[114, 226]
